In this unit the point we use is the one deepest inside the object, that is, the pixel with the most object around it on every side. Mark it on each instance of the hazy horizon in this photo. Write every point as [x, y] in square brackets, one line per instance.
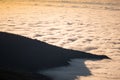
[97, 1]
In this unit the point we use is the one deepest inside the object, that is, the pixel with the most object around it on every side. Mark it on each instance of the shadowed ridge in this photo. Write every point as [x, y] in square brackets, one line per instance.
[85, 55]
[11, 75]
[24, 54]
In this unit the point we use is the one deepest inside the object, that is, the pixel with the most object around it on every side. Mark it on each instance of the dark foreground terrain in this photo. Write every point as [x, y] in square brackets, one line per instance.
[10, 75]
[25, 56]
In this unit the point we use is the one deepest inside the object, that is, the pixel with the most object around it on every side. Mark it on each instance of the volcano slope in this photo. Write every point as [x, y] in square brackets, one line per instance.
[19, 53]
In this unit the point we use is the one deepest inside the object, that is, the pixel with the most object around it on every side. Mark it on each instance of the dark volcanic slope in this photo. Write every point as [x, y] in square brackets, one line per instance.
[24, 54]
[11, 75]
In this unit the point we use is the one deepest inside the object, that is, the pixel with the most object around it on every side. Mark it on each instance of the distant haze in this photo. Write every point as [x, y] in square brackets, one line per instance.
[71, 0]
[98, 2]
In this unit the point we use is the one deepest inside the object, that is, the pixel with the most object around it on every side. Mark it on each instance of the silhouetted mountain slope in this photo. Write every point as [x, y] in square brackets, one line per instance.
[11, 75]
[20, 53]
